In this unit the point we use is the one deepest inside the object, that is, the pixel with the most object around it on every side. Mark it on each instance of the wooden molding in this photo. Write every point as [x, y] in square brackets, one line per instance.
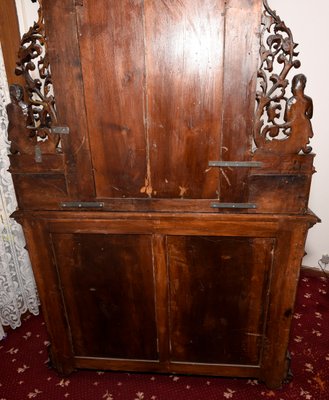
[10, 39]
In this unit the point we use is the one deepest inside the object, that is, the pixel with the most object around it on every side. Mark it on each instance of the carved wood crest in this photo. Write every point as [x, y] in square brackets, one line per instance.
[282, 124]
[31, 123]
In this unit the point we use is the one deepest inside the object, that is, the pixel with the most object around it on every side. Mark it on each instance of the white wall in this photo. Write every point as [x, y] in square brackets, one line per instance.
[27, 13]
[308, 22]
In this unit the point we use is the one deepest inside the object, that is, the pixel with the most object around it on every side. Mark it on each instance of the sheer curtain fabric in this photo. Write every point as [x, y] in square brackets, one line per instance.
[17, 286]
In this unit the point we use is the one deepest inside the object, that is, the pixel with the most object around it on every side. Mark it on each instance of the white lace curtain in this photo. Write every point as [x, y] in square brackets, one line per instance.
[17, 286]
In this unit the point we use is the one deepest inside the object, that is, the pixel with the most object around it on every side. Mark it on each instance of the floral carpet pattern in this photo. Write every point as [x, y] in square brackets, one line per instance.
[24, 373]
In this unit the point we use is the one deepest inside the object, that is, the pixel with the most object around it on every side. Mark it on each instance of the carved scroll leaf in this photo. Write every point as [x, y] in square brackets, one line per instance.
[282, 124]
[33, 64]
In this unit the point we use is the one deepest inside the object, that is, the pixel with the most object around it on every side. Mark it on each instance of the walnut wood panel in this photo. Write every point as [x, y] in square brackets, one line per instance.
[112, 48]
[167, 223]
[242, 27]
[125, 257]
[9, 38]
[108, 289]
[274, 164]
[174, 224]
[42, 184]
[49, 289]
[184, 57]
[48, 189]
[160, 278]
[282, 184]
[51, 163]
[218, 296]
[286, 271]
[280, 193]
[64, 56]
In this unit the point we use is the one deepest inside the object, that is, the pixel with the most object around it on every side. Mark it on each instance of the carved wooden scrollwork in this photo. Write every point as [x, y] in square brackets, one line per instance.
[282, 124]
[30, 129]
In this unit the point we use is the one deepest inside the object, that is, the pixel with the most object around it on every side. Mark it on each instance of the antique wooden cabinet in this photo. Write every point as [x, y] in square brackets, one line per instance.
[162, 173]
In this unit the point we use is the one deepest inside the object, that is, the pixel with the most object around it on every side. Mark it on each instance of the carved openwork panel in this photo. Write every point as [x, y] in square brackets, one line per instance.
[31, 122]
[152, 118]
[282, 122]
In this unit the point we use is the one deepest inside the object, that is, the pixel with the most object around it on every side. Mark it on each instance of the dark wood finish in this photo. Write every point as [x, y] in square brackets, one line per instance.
[162, 297]
[284, 286]
[39, 184]
[21, 140]
[282, 184]
[165, 106]
[60, 17]
[40, 111]
[239, 88]
[208, 271]
[52, 186]
[49, 290]
[184, 61]
[282, 125]
[135, 269]
[230, 282]
[123, 305]
[113, 49]
[10, 39]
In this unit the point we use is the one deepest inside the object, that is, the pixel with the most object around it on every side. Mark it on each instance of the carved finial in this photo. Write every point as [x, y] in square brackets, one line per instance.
[32, 61]
[282, 125]
[22, 140]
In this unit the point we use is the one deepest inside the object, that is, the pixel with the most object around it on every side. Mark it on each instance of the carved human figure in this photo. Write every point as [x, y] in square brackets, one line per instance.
[298, 114]
[22, 139]
[298, 127]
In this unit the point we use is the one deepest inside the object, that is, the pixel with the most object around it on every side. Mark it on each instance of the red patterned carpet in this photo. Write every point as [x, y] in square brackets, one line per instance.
[24, 373]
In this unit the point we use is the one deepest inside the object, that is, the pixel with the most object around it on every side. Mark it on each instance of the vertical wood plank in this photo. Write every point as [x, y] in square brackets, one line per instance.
[161, 293]
[64, 56]
[53, 309]
[289, 253]
[184, 56]
[241, 60]
[10, 39]
[112, 56]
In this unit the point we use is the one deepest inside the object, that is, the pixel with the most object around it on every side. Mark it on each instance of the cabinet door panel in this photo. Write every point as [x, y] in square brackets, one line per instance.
[184, 62]
[108, 290]
[154, 111]
[112, 58]
[158, 104]
[218, 302]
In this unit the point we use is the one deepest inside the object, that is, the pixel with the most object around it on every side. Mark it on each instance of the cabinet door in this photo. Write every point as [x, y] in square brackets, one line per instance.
[108, 290]
[158, 103]
[163, 297]
[155, 68]
[153, 97]
[218, 290]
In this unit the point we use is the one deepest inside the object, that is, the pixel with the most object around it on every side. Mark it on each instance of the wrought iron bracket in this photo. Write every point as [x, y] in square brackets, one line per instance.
[233, 205]
[236, 164]
[60, 130]
[82, 204]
